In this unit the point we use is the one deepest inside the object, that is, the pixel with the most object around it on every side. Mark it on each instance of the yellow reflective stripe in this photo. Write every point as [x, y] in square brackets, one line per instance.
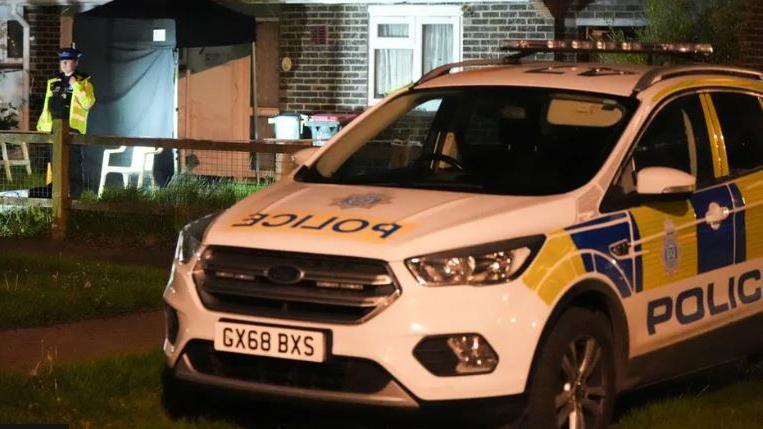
[717, 148]
[77, 117]
[654, 224]
[720, 144]
[738, 83]
[557, 265]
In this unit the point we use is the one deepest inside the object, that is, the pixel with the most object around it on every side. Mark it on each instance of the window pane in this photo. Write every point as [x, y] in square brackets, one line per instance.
[437, 45]
[741, 118]
[15, 39]
[677, 138]
[393, 30]
[393, 69]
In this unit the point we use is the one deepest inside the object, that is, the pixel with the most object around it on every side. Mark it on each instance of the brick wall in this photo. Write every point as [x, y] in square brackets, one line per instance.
[752, 36]
[486, 25]
[334, 76]
[324, 77]
[45, 28]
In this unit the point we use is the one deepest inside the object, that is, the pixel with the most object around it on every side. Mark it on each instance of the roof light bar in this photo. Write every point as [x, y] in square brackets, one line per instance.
[607, 46]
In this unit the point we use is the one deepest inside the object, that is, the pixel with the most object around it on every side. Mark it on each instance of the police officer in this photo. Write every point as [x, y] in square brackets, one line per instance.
[69, 94]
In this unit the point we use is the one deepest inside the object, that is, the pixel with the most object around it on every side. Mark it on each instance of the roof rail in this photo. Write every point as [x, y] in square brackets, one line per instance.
[446, 68]
[528, 47]
[662, 73]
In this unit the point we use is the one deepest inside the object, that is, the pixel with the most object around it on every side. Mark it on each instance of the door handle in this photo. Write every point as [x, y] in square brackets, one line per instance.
[715, 215]
[620, 249]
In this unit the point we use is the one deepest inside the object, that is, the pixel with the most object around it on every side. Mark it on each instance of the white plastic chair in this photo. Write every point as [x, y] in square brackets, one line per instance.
[142, 163]
[8, 163]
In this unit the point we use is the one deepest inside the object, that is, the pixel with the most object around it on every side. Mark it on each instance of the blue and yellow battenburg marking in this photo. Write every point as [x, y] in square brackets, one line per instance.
[670, 242]
[585, 248]
[336, 224]
[580, 249]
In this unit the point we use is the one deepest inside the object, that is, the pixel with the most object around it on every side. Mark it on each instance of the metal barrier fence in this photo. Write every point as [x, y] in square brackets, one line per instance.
[68, 171]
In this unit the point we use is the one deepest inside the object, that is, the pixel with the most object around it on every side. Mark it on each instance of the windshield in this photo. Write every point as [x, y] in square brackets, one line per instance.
[497, 140]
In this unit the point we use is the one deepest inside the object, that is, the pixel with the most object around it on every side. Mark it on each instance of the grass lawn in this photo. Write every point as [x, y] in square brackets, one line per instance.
[739, 406]
[126, 393]
[115, 393]
[43, 290]
[159, 213]
[727, 397]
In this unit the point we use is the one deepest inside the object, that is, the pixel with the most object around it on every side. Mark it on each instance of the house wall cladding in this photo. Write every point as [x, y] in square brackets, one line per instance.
[45, 31]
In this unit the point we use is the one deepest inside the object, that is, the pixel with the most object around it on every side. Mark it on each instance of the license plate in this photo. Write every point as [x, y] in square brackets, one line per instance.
[272, 341]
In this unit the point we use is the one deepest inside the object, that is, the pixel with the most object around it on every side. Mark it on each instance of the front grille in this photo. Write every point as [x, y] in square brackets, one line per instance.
[330, 289]
[338, 374]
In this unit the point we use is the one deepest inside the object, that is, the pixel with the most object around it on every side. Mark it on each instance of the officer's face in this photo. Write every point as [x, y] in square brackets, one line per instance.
[68, 66]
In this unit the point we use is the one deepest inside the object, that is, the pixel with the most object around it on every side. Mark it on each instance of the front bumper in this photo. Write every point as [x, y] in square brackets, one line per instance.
[390, 395]
[509, 316]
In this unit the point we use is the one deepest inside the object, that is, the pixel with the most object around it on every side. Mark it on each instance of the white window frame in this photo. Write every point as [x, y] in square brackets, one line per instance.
[415, 17]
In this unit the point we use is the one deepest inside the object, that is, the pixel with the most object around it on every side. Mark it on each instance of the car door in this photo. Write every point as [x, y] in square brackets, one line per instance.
[682, 248]
[739, 119]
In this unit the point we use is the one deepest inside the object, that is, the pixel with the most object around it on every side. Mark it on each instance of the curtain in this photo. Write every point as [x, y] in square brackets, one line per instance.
[393, 66]
[393, 69]
[392, 30]
[437, 45]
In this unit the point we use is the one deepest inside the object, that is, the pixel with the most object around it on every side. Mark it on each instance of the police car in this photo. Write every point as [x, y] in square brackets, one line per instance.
[536, 236]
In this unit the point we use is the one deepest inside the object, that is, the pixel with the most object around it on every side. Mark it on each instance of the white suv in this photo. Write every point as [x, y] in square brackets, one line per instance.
[543, 235]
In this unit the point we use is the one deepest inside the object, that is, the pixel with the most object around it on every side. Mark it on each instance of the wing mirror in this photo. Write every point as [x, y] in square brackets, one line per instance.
[664, 181]
[300, 157]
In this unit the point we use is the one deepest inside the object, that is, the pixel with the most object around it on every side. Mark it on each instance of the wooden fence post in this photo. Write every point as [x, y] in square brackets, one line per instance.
[61, 202]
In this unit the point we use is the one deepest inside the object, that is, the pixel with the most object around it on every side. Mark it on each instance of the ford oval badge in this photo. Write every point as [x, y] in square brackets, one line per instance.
[284, 274]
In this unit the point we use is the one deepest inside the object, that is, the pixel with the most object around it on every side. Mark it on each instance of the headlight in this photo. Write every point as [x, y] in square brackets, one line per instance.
[477, 266]
[190, 238]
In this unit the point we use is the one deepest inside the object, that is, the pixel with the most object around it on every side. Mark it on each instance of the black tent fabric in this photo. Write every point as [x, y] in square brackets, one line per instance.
[133, 78]
[129, 50]
[198, 23]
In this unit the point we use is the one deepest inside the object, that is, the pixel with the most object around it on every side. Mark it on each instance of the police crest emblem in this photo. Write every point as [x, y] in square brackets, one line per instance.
[671, 250]
[365, 201]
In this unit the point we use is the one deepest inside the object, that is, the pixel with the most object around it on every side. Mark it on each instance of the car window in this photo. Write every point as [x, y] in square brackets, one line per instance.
[497, 140]
[677, 138]
[741, 118]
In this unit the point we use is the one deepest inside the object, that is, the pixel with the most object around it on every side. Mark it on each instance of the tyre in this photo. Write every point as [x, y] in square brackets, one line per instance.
[179, 399]
[573, 383]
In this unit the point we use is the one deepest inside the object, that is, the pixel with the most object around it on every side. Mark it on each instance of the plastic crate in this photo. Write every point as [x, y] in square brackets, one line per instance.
[326, 125]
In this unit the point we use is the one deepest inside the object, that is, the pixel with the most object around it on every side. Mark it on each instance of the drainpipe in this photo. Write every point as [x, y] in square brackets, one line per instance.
[17, 11]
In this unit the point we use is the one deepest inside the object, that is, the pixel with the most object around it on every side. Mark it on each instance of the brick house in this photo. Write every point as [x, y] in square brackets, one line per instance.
[348, 51]
[333, 55]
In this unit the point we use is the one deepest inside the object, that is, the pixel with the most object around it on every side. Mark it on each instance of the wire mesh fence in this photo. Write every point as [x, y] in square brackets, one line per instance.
[128, 189]
[24, 166]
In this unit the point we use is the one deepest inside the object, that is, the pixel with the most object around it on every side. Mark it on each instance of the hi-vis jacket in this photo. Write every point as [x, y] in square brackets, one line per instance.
[82, 100]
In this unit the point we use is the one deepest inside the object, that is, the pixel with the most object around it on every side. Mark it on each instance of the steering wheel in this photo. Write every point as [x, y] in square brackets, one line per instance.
[441, 157]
